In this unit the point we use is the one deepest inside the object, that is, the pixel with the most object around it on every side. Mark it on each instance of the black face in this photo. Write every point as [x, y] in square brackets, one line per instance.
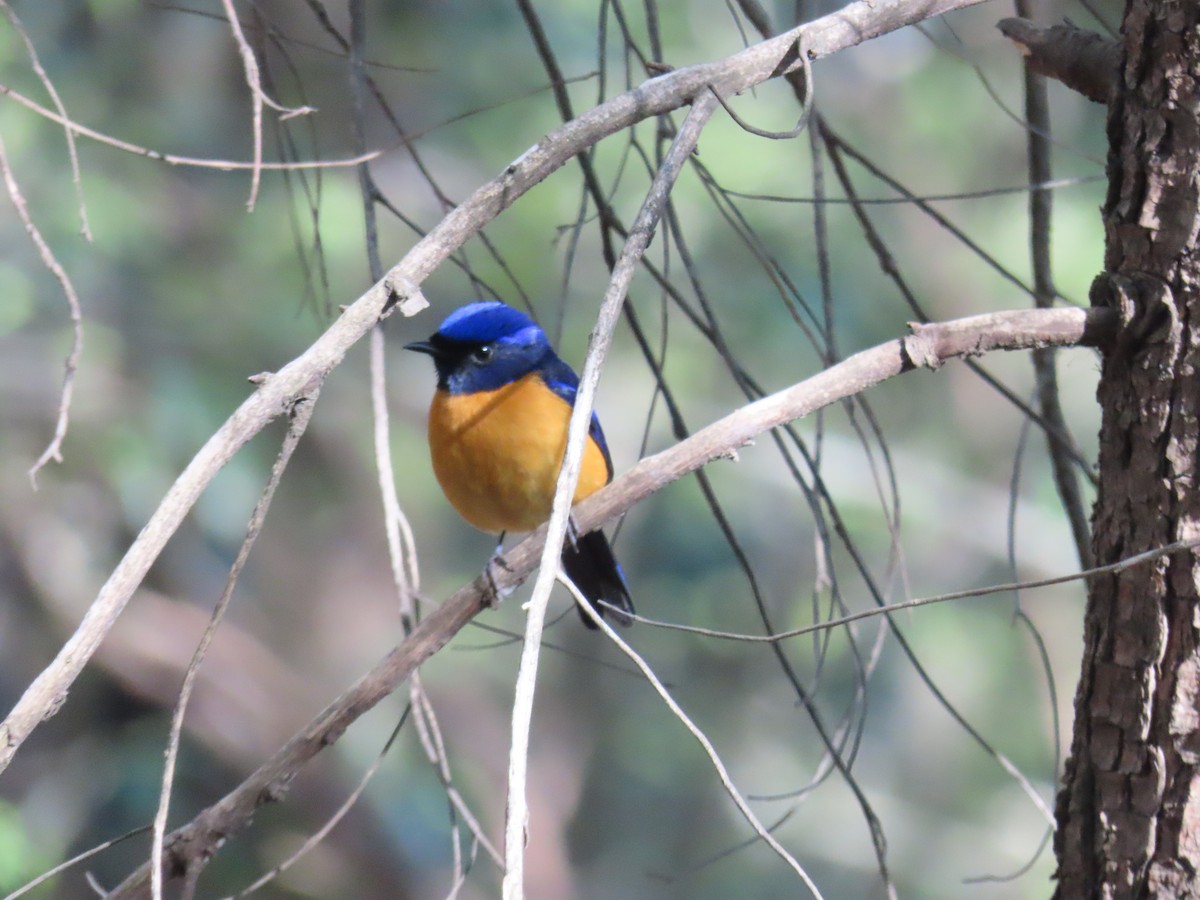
[465, 367]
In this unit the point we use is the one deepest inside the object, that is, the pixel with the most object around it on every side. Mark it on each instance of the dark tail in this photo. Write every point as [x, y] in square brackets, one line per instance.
[589, 562]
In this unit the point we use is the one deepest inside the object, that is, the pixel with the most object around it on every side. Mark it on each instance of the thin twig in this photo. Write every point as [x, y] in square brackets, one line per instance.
[402, 549]
[806, 105]
[174, 159]
[53, 450]
[429, 733]
[340, 813]
[72, 152]
[1037, 113]
[258, 98]
[74, 861]
[400, 543]
[301, 414]
[1110, 569]
[981, 194]
[282, 38]
[726, 781]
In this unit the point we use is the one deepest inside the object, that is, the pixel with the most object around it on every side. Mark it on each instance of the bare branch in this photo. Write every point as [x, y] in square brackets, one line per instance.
[1082, 60]
[726, 781]
[1037, 114]
[930, 347]
[72, 153]
[1114, 568]
[301, 414]
[258, 98]
[771, 58]
[171, 158]
[53, 450]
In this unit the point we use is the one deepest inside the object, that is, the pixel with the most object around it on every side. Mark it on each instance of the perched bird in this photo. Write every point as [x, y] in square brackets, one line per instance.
[498, 431]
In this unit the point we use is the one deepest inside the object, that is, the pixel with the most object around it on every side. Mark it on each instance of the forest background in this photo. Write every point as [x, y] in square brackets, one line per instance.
[937, 481]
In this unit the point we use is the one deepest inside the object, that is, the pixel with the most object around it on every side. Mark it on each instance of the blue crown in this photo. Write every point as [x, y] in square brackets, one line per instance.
[490, 320]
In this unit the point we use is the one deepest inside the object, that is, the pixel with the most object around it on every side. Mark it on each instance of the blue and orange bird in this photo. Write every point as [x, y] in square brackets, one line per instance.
[498, 431]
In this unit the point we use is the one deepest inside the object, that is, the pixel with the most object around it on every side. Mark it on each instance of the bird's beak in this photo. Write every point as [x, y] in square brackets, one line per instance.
[423, 347]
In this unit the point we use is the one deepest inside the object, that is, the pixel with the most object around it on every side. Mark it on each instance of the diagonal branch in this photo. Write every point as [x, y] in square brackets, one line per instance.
[763, 833]
[301, 415]
[928, 347]
[772, 58]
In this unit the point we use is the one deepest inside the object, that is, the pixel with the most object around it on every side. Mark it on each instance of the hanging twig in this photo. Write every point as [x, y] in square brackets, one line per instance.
[35, 63]
[53, 450]
[301, 413]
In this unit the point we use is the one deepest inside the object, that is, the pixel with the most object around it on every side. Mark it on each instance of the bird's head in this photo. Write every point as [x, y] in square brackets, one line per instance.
[484, 346]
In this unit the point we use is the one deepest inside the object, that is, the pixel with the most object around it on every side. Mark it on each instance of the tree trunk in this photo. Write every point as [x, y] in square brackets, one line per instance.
[1129, 811]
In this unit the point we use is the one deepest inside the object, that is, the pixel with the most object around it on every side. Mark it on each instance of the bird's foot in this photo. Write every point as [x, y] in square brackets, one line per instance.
[495, 593]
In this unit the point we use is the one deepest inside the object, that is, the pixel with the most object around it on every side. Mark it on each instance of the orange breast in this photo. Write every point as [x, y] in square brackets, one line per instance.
[497, 454]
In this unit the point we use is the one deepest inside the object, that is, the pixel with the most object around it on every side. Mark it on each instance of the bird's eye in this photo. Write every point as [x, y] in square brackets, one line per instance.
[483, 353]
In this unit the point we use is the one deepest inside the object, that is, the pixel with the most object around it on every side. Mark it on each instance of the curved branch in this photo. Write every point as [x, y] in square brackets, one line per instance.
[930, 345]
[847, 27]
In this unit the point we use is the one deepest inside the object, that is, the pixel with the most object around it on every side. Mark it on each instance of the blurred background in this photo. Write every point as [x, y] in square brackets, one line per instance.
[935, 482]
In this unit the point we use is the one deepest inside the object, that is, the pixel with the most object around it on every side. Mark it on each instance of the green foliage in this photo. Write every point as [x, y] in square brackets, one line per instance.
[20, 857]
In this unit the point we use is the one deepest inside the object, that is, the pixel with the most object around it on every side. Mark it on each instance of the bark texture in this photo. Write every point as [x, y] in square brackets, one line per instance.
[1129, 811]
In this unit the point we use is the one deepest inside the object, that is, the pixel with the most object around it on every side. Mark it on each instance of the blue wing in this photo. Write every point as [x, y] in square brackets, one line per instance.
[563, 381]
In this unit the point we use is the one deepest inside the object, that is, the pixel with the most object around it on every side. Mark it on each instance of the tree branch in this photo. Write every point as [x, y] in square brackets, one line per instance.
[847, 27]
[1082, 60]
[929, 346]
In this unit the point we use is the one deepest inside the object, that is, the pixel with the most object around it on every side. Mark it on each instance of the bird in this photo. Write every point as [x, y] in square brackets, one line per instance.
[498, 432]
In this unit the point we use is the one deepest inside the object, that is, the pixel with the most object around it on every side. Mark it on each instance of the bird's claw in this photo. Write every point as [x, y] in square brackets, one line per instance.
[495, 593]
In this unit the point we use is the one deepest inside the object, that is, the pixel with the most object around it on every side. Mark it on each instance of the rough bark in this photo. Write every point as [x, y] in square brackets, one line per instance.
[1129, 811]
